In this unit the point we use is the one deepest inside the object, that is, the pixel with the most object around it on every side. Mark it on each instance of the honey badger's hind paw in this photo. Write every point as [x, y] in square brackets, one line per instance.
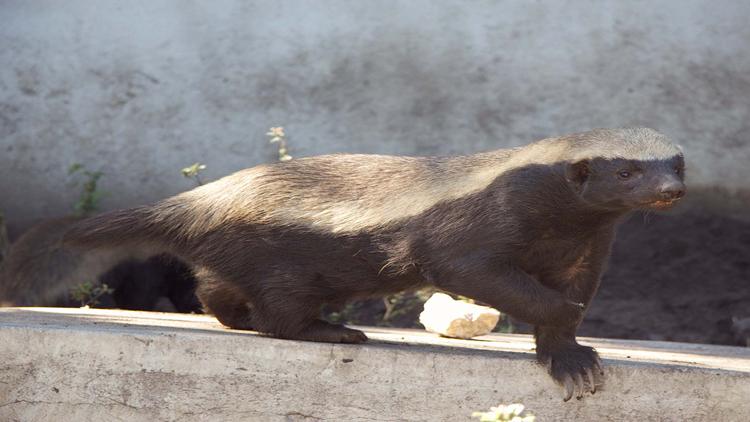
[576, 368]
[323, 331]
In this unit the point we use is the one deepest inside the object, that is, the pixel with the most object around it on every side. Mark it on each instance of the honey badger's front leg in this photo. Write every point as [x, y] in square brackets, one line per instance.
[510, 290]
[555, 312]
[577, 368]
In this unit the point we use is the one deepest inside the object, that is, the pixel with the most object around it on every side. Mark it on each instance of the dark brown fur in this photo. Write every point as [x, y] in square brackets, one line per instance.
[527, 231]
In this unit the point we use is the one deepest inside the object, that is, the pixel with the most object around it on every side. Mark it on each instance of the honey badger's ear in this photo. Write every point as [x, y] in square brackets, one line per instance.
[577, 173]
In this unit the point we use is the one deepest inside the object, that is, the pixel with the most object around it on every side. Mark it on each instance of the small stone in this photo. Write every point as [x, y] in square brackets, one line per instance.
[457, 319]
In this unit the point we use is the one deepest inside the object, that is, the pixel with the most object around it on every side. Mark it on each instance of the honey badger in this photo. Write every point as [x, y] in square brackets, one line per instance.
[527, 230]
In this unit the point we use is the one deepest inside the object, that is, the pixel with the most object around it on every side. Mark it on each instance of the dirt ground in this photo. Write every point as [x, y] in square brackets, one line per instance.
[679, 278]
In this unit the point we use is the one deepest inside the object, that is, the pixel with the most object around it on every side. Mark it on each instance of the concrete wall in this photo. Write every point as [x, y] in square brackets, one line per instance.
[91, 365]
[140, 89]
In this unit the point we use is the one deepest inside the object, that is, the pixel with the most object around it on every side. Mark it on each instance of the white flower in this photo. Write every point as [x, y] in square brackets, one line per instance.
[276, 132]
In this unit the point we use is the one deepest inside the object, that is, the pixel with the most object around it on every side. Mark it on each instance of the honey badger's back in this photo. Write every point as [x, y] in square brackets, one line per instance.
[334, 193]
[339, 193]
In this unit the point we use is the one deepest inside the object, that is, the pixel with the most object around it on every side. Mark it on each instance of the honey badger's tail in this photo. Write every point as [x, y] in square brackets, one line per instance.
[133, 227]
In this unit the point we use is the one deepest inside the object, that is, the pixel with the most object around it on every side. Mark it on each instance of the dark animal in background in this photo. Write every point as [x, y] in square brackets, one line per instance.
[159, 283]
[527, 230]
[40, 271]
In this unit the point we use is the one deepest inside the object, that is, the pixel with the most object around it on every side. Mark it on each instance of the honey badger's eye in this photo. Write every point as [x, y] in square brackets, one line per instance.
[678, 170]
[624, 174]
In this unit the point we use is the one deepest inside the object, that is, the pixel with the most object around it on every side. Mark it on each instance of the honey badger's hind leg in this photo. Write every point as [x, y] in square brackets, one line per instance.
[285, 313]
[276, 306]
[223, 301]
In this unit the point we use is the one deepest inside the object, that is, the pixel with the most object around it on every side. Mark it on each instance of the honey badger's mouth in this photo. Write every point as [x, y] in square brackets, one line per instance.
[660, 204]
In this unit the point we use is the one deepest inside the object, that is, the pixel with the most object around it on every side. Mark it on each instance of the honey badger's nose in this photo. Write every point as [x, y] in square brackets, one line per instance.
[672, 190]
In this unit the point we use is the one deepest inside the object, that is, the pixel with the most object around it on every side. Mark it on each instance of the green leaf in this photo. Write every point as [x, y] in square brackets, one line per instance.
[193, 170]
[74, 168]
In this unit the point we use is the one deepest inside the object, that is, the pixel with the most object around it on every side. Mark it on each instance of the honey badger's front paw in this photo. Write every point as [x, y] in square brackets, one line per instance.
[576, 368]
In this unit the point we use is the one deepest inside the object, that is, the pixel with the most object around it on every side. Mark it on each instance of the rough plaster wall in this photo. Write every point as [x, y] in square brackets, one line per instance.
[139, 89]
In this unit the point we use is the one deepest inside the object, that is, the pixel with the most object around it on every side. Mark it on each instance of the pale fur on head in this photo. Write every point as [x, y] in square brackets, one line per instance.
[638, 143]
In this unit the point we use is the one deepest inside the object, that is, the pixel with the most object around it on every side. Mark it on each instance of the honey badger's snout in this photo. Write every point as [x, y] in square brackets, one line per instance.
[671, 190]
[665, 193]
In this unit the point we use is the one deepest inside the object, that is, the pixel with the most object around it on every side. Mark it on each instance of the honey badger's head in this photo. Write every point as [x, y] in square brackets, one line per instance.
[628, 169]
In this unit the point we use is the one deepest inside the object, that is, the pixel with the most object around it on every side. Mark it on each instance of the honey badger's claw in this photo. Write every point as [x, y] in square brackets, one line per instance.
[576, 368]
[591, 380]
[580, 386]
[568, 389]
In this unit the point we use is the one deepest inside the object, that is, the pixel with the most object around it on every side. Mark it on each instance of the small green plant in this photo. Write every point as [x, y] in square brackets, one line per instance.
[278, 136]
[193, 172]
[88, 294]
[90, 194]
[390, 303]
[505, 413]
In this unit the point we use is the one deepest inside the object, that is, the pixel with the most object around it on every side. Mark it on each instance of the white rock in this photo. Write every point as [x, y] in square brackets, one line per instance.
[455, 318]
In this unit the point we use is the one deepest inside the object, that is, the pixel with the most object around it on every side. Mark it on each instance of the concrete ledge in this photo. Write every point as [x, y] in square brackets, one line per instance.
[79, 364]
